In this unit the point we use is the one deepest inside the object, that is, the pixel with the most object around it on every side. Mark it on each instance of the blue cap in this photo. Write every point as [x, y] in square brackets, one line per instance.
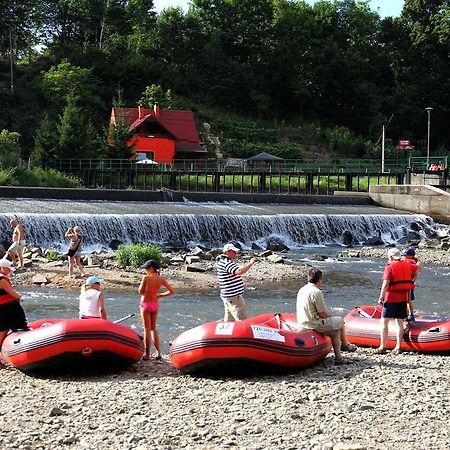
[409, 252]
[93, 280]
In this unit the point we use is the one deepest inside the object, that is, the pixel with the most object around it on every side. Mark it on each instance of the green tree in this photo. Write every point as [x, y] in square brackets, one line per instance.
[155, 95]
[9, 149]
[65, 80]
[118, 135]
[45, 142]
[77, 135]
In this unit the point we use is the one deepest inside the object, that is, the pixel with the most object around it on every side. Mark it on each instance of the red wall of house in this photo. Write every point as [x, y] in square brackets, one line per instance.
[163, 149]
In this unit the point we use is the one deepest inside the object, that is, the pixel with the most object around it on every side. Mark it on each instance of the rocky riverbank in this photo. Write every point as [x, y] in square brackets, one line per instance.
[196, 269]
[377, 402]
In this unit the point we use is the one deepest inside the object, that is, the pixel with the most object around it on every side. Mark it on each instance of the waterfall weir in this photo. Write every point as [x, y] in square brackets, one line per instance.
[212, 230]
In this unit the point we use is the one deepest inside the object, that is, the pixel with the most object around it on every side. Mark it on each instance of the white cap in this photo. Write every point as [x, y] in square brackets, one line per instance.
[394, 253]
[228, 247]
[6, 263]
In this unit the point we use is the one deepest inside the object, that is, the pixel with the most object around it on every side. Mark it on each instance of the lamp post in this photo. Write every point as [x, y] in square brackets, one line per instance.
[428, 110]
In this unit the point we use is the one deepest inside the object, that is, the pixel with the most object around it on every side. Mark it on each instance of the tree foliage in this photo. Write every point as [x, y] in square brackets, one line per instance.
[336, 63]
[9, 149]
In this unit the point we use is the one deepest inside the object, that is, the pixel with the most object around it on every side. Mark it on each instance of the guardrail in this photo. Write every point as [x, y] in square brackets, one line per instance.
[336, 165]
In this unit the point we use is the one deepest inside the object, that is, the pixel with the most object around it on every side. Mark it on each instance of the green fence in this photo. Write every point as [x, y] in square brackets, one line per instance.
[335, 165]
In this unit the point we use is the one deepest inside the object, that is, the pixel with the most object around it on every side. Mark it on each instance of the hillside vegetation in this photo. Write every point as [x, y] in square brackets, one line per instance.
[279, 76]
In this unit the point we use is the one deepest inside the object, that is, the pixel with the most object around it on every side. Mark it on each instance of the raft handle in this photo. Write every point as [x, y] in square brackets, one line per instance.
[17, 341]
[434, 330]
[299, 342]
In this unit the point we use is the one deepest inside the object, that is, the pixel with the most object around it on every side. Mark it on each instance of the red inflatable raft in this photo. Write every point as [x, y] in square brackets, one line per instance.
[426, 334]
[54, 344]
[267, 341]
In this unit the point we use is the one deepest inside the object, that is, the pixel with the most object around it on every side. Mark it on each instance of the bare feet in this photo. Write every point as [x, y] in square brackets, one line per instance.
[379, 351]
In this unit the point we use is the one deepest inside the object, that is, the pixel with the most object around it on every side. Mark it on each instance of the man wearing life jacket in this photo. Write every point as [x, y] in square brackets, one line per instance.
[409, 255]
[12, 316]
[394, 296]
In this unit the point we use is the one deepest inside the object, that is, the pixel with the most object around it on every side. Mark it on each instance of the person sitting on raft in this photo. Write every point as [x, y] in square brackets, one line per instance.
[312, 314]
[92, 299]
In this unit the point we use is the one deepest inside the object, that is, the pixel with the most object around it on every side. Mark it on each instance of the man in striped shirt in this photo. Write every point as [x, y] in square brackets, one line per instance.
[231, 283]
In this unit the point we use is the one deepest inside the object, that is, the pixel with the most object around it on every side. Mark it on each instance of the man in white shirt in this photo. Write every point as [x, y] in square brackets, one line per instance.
[312, 314]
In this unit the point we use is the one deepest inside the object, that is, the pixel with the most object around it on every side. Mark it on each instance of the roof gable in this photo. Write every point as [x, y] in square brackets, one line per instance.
[179, 123]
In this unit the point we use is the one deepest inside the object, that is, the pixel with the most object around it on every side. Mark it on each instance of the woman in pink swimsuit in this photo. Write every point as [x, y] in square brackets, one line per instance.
[149, 290]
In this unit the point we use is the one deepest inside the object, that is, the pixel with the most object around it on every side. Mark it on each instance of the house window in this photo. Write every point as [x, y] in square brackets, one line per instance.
[145, 155]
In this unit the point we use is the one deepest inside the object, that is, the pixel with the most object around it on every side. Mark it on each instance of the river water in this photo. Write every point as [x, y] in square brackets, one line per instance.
[347, 282]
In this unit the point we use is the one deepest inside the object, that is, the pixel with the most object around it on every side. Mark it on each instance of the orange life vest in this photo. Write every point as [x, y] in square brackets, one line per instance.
[4, 296]
[402, 276]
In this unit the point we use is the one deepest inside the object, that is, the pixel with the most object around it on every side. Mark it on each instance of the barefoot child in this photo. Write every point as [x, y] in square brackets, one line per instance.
[149, 290]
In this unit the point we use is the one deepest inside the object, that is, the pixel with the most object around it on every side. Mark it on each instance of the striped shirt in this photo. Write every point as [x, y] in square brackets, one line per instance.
[230, 284]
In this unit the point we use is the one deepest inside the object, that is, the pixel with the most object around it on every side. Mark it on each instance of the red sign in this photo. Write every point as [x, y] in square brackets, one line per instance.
[404, 144]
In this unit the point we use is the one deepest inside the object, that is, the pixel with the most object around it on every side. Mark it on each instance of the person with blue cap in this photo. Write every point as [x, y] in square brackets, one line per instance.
[92, 299]
[409, 255]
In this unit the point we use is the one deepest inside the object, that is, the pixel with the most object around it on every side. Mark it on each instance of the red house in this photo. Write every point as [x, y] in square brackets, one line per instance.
[162, 134]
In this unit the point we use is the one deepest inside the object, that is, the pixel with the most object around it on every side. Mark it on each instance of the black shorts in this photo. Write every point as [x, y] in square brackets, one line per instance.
[12, 317]
[394, 310]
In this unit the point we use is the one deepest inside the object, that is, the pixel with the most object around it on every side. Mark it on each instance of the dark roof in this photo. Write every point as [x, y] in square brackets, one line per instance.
[264, 157]
[179, 124]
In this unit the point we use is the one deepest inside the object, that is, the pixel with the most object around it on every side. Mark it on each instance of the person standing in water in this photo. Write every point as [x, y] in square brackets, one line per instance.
[149, 288]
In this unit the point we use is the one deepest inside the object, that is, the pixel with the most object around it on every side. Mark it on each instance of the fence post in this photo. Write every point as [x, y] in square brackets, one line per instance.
[309, 183]
[349, 182]
[407, 175]
[262, 183]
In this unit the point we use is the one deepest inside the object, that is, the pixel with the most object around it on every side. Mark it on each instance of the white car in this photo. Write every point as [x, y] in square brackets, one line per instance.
[147, 161]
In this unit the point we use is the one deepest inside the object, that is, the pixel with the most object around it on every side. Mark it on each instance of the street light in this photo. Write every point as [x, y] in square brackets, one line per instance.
[428, 110]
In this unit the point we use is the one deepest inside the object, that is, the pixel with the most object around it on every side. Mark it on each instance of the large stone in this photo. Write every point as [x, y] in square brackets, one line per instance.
[194, 268]
[276, 259]
[347, 238]
[40, 279]
[276, 245]
[2, 251]
[114, 244]
[266, 253]
[197, 251]
[190, 259]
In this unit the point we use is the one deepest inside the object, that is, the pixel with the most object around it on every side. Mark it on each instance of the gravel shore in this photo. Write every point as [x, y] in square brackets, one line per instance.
[376, 402]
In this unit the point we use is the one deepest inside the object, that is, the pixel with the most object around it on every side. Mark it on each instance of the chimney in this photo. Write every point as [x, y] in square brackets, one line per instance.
[156, 110]
[141, 111]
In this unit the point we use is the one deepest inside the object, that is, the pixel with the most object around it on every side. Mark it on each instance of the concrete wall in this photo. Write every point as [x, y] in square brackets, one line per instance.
[418, 199]
[166, 195]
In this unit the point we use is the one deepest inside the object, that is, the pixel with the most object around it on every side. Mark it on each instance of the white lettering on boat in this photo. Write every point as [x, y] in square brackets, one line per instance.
[268, 333]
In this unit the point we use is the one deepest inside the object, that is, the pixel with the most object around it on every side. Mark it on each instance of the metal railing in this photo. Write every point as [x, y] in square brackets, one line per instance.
[335, 165]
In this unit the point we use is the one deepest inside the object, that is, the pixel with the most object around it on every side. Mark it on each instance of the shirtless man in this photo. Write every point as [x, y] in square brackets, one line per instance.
[15, 252]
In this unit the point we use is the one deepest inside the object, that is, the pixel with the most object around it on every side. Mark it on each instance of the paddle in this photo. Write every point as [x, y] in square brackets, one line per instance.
[123, 318]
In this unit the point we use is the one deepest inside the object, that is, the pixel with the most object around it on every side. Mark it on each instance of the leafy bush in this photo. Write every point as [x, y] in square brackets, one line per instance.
[38, 177]
[136, 254]
[51, 255]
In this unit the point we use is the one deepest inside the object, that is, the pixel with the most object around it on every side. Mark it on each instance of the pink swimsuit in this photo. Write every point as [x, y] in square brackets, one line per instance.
[150, 306]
